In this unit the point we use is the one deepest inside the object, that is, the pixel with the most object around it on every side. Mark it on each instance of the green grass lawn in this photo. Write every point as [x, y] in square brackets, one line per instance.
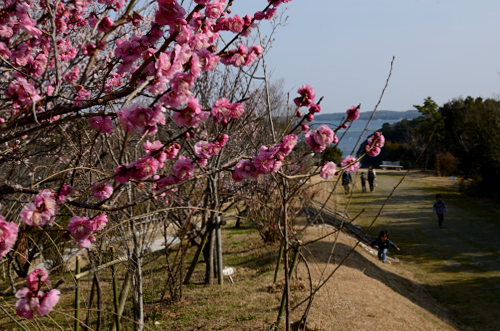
[460, 263]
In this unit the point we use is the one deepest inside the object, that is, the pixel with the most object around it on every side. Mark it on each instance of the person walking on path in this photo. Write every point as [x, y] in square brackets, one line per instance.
[372, 176]
[346, 180]
[363, 182]
[383, 242]
[440, 208]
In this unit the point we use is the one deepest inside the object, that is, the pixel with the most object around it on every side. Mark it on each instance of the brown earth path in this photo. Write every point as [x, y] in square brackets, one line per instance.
[458, 264]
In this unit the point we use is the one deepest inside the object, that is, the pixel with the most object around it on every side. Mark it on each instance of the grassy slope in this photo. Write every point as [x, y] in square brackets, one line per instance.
[458, 264]
[364, 294]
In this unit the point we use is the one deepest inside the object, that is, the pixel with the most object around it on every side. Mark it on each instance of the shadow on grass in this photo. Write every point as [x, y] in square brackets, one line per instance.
[373, 268]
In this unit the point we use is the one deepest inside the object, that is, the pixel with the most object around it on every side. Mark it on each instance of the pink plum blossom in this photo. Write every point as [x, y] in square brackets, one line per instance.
[173, 99]
[349, 164]
[22, 92]
[102, 191]
[352, 113]
[63, 193]
[113, 82]
[156, 150]
[164, 67]
[99, 222]
[166, 181]
[202, 2]
[32, 299]
[41, 211]
[101, 123]
[123, 174]
[81, 228]
[319, 139]
[276, 3]
[235, 57]
[264, 161]
[202, 162]
[270, 13]
[170, 13]
[116, 4]
[242, 170]
[202, 149]
[314, 108]
[8, 235]
[72, 76]
[328, 170]
[183, 168]
[27, 304]
[88, 49]
[182, 82]
[234, 24]
[144, 118]
[249, 24]
[222, 108]
[258, 16]
[207, 60]
[144, 167]
[36, 278]
[4, 50]
[48, 301]
[288, 143]
[81, 95]
[172, 150]
[375, 144]
[223, 139]
[214, 9]
[307, 96]
[6, 32]
[254, 52]
[105, 24]
[36, 66]
[191, 115]
[20, 55]
[324, 136]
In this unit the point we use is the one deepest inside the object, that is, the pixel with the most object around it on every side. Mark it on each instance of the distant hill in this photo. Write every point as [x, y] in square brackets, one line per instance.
[379, 115]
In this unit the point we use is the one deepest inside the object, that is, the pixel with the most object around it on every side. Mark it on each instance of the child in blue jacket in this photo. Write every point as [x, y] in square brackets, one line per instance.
[383, 243]
[440, 208]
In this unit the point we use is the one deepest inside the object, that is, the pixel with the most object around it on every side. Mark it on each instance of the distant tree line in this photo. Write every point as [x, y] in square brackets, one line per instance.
[466, 134]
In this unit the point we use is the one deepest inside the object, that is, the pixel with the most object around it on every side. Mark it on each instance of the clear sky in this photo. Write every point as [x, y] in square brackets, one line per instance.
[443, 48]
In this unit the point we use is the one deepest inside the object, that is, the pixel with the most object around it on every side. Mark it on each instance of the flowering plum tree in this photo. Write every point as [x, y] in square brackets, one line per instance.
[117, 108]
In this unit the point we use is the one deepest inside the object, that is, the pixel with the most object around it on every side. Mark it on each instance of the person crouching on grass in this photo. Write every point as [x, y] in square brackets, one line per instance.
[383, 243]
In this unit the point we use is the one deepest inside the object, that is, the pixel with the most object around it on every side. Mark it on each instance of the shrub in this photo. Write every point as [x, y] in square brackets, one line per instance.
[446, 164]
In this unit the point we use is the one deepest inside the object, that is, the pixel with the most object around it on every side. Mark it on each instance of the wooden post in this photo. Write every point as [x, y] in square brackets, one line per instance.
[283, 298]
[196, 257]
[77, 296]
[209, 273]
[93, 289]
[280, 256]
[219, 251]
[123, 297]
[115, 292]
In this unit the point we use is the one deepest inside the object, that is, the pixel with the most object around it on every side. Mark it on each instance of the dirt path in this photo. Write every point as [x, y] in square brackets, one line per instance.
[459, 264]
